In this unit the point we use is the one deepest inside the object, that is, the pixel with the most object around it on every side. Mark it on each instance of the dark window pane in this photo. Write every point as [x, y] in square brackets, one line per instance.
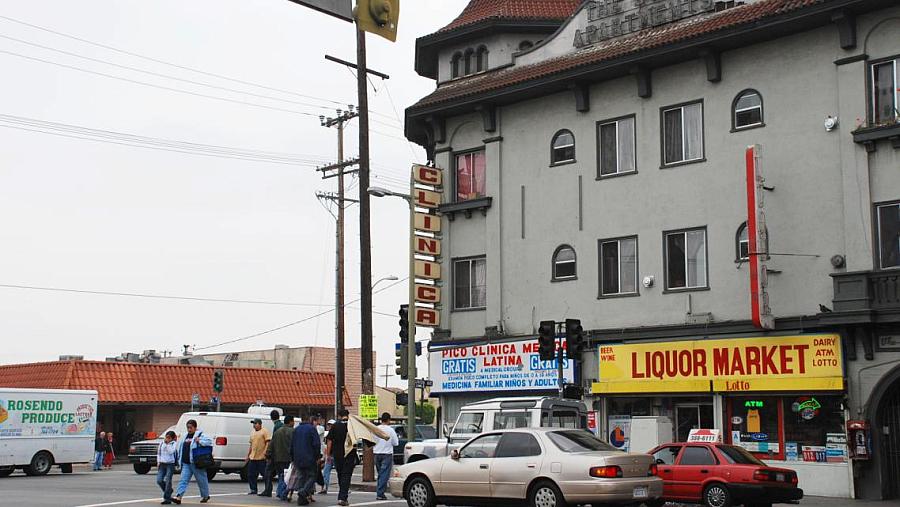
[811, 426]
[673, 140]
[563, 147]
[889, 235]
[462, 274]
[609, 259]
[884, 93]
[628, 266]
[697, 456]
[514, 445]
[675, 261]
[608, 148]
[739, 455]
[747, 117]
[578, 441]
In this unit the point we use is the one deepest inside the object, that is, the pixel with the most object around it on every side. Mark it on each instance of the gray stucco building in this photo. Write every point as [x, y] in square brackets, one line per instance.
[595, 166]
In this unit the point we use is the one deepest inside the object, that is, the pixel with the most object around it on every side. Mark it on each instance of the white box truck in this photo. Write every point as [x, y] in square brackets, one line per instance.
[40, 428]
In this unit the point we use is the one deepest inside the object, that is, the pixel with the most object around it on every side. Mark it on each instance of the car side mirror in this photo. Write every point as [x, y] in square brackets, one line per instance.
[447, 429]
[454, 454]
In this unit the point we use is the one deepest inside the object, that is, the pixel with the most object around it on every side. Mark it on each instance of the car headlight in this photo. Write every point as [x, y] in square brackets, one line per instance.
[396, 473]
[132, 450]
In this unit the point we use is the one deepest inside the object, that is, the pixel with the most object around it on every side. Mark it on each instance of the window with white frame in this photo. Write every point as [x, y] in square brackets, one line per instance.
[742, 245]
[564, 263]
[469, 283]
[685, 254]
[682, 128]
[885, 92]
[888, 216]
[562, 147]
[748, 110]
[618, 266]
[616, 146]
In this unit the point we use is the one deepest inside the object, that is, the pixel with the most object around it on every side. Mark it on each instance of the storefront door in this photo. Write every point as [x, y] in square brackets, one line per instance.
[889, 419]
[692, 416]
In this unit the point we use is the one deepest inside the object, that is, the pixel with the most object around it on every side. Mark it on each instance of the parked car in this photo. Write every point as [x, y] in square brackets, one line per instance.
[229, 431]
[720, 475]
[541, 467]
[423, 432]
[500, 414]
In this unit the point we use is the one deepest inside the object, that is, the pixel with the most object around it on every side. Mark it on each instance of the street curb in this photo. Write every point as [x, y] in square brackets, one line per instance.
[367, 488]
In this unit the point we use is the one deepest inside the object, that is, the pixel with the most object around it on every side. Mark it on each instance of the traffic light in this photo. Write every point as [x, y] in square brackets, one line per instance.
[547, 340]
[574, 338]
[401, 354]
[401, 399]
[379, 17]
[404, 323]
[218, 381]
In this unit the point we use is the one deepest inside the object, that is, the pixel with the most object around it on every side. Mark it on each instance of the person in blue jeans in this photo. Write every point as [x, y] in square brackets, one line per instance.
[188, 442]
[165, 460]
[384, 455]
[99, 450]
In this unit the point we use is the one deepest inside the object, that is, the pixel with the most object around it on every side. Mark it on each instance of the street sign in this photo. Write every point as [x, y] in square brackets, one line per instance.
[368, 406]
[342, 9]
[423, 383]
[195, 399]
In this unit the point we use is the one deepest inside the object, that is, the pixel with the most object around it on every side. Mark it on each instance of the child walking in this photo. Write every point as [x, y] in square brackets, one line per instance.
[165, 459]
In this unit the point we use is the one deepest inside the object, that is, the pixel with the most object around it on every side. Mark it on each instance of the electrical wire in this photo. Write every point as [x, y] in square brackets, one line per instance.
[177, 66]
[305, 319]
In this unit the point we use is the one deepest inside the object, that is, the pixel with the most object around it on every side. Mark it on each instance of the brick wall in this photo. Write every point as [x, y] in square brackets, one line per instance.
[322, 359]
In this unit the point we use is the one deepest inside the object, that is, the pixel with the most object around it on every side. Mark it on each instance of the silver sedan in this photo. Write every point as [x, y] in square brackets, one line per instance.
[543, 467]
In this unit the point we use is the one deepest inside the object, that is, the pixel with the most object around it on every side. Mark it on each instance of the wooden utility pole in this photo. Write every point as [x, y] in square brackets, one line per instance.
[339, 376]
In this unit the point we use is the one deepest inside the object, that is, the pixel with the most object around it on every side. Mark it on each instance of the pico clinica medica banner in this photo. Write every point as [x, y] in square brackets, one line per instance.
[778, 363]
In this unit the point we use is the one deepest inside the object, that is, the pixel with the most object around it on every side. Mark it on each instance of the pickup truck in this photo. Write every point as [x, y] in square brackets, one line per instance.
[499, 414]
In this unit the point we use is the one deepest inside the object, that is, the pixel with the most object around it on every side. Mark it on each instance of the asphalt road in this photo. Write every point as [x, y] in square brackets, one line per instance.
[121, 486]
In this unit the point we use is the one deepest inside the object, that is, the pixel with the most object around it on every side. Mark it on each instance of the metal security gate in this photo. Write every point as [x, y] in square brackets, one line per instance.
[888, 425]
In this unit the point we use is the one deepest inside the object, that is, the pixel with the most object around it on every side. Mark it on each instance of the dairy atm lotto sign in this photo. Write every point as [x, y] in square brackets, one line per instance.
[513, 366]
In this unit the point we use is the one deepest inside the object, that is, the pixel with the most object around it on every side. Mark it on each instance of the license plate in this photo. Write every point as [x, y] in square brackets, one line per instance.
[640, 492]
[779, 477]
[143, 460]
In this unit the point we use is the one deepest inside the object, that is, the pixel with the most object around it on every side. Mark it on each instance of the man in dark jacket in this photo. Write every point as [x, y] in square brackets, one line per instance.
[305, 452]
[271, 470]
[344, 461]
[280, 450]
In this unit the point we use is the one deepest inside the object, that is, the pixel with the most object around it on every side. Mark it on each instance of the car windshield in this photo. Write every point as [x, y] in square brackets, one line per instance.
[739, 455]
[578, 441]
[427, 432]
[469, 422]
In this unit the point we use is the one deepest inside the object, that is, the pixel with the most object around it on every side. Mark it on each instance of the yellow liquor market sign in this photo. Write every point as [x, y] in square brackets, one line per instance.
[778, 363]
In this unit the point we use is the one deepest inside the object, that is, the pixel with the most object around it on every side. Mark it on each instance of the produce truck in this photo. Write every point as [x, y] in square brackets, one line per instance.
[40, 428]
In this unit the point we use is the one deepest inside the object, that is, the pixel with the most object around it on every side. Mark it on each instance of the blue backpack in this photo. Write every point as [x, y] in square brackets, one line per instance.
[201, 456]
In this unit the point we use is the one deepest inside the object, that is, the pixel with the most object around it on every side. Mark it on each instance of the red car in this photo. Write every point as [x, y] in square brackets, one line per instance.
[720, 475]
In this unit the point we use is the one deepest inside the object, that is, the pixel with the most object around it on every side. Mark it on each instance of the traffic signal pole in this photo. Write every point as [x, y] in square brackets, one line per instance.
[559, 366]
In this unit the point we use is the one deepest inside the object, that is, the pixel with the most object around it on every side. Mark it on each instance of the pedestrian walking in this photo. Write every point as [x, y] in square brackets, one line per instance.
[344, 460]
[99, 450]
[384, 455]
[305, 454]
[329, 461]
[271, 470]
[191, 443]
[256, 454]
[165, 461]
[280, 447]
[109, 452]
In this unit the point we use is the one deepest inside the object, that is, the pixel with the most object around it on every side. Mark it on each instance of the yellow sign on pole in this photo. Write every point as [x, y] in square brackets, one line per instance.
[368, 406]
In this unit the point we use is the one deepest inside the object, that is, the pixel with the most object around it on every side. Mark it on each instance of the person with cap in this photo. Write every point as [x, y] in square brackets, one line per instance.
[271, 469]
[256, 454]
[344, 461]
[305, 454]
[384, 455]
[329, 460]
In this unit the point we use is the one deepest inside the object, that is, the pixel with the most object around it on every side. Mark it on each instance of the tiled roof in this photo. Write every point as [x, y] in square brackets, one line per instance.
[616, 48]
[480, 10]
[169, 383]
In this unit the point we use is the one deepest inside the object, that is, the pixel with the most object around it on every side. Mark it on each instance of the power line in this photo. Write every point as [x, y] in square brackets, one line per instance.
[161, 87]
[306, 319]
[157, 296]
[177, 66]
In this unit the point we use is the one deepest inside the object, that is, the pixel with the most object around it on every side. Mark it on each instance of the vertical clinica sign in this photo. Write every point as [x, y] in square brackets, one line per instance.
[426, 196]
[757, 236]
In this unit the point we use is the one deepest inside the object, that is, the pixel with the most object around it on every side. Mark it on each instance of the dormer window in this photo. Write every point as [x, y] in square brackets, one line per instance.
[470, 57]
[482, 58]
[455, 65]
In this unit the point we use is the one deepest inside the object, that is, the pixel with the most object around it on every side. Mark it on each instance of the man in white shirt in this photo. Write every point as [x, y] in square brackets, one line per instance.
[384, 455]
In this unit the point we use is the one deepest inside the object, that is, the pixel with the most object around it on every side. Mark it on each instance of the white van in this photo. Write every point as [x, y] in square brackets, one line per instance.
[229, 431]
[40, 428]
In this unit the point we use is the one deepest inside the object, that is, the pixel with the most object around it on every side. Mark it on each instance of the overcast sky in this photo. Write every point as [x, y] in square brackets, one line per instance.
[101, 216]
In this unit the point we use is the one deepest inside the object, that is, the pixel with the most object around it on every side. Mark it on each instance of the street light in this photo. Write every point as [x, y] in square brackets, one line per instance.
[411, 344]
[388, 278]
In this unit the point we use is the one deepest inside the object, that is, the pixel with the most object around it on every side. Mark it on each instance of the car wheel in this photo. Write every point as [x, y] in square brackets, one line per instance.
[141, 468]
[211, 473]
[6, 471]
[41, 464]
[65, 468]
[419, 493]
[546, 494]
[717, 495]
